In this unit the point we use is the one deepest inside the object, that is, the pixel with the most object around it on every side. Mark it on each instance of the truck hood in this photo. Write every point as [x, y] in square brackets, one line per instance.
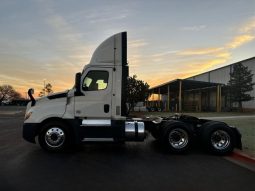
[45, 99]
[52, 96]
[53, 105]
[58, 95]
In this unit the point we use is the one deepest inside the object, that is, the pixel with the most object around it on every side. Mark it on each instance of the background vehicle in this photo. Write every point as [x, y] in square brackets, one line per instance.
[95, 110]
[153, 109]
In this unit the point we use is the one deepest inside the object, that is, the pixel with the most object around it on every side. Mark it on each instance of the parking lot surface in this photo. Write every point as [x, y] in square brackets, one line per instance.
[108, 166]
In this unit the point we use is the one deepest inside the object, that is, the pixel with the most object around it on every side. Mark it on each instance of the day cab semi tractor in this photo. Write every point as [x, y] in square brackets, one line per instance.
[95, 110]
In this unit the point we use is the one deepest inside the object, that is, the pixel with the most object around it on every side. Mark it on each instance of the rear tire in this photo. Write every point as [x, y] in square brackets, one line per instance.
[54, 136]
[218, 138]
[176, 137]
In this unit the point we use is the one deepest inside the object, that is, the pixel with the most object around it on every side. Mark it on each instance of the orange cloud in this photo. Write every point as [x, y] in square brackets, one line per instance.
[199, 51]
[239, 41]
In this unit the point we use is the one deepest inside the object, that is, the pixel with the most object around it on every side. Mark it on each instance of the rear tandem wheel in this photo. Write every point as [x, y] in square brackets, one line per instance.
[217, 137]
[176, 136]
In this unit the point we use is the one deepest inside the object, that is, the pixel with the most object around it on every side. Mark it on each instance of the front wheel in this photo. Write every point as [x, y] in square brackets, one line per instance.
[54, 137]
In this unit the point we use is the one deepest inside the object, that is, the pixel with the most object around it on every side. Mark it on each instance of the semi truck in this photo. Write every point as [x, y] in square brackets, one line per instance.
[95, 110]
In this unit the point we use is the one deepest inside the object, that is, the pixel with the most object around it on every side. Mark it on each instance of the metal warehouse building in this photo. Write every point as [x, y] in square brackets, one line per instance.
[202, 92]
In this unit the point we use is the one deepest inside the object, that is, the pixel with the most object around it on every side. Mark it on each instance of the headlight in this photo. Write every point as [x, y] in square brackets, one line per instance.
[28, 114]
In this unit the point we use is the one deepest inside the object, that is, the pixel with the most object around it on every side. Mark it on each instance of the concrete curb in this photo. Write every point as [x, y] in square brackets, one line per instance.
[243, 156]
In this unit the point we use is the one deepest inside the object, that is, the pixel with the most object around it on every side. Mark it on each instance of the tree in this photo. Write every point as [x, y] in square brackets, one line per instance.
[137, 90]
[240, 84]
[8, 93]
[46, 90]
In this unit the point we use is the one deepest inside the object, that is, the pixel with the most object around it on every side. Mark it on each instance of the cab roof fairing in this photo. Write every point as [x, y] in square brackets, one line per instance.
[109, 52]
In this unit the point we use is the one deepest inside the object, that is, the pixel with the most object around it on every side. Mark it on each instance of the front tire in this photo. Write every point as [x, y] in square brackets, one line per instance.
[54, 136]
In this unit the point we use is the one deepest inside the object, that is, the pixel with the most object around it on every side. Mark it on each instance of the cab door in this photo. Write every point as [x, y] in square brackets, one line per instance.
[96, 91]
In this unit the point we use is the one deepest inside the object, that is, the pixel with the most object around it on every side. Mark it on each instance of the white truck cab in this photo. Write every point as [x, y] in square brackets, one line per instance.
[95, 110]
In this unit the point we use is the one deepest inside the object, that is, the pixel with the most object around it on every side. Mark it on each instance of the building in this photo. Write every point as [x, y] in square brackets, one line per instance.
[202, 92]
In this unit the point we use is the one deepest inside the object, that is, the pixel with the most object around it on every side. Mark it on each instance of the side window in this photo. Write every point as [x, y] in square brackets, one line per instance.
[95, 80]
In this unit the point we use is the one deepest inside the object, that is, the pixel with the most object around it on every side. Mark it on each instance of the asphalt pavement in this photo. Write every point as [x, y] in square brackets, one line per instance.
[108, 166]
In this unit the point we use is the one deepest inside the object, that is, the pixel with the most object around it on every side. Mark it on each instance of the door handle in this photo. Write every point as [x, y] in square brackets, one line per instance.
[106, 108]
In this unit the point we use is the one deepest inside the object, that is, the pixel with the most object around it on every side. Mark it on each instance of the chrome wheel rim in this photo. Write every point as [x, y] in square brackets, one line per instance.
[178, 138]
[54, 137]
[220, 139]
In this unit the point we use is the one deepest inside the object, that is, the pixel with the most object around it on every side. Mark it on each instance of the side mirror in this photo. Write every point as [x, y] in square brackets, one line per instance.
[77, 83]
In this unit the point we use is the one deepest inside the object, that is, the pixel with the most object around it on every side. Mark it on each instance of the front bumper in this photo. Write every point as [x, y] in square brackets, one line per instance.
[30, 131]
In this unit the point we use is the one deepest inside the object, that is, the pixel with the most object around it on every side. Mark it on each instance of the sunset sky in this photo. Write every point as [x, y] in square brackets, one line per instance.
[167, 39]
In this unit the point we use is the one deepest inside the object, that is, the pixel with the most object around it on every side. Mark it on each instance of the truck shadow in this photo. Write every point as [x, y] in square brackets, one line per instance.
[150, 146]
[112, 151]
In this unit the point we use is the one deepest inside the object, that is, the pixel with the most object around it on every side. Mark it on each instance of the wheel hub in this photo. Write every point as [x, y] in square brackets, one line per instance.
[54, 137]
[178, 138]
[220, 139]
